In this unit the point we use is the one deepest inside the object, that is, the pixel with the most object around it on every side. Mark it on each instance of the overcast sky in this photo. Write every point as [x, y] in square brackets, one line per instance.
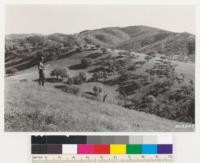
[70, 19]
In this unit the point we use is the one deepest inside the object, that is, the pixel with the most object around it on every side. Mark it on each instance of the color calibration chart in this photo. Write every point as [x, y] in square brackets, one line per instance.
[101, 149]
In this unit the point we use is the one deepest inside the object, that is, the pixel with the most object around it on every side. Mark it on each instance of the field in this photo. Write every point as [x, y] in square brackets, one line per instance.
[29, 107]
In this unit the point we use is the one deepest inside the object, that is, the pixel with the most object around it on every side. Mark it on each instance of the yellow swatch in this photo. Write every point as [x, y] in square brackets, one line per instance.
[117, 148]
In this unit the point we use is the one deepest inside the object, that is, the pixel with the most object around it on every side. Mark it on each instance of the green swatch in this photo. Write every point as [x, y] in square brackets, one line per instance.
[133, 149]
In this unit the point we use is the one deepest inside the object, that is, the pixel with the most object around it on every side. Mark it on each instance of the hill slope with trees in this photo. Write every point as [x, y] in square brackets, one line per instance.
[21, 50]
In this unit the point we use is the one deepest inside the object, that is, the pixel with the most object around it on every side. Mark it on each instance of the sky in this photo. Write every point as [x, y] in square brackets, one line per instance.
[69, 19]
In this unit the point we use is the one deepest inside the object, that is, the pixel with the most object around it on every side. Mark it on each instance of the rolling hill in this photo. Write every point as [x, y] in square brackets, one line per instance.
[133, 37]
[22, 48]
[144, 77]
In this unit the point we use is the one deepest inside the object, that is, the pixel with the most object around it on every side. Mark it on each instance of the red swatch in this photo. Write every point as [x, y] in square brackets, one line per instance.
[101, 149]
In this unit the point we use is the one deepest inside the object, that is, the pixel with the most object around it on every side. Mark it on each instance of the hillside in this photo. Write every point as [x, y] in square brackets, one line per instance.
[175, 45]
[140, 38]
[133, 37]
[30, 108]
[22, 49]
[141, 70]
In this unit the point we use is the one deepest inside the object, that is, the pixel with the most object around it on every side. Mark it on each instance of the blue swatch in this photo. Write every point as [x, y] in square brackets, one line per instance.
[149, 149]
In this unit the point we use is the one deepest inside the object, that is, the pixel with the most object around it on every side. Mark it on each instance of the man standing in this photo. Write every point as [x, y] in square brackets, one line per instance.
[41, 71]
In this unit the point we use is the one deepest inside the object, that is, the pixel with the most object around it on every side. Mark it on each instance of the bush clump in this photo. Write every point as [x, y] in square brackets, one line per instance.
[99, 75]
[71, 89]
[152, 53]
[85, 62]
[59, 73]
[79, 79]
[11, 71]
[104, 50]
[147, 58]
[82, 76]
[97, 90]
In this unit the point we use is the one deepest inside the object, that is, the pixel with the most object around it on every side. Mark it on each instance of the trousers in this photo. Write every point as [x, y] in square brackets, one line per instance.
[41, 77]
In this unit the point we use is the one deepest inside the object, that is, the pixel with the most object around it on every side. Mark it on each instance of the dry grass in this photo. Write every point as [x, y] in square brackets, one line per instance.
[30, 108]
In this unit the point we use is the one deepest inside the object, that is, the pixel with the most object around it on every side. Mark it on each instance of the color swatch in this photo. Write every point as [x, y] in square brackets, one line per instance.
[117, 145]
[117, 148]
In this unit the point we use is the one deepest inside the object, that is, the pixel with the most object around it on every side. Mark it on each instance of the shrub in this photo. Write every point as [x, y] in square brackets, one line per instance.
[130, 87]
[147, 58]
[78, 49]
[162, 57]
[86, 62]
[11, 71]
[59, 72]
[105, 75]
[132, 67]
[97, 90]
[23, 80]
[82, 76]
[152, 53]
[140, 62]
[104, 50]
[77, 80]
[97, 46]
[94, 55]
[71, 89]
[70, 81]
[96, 76]
[125, 53]
[191, 47]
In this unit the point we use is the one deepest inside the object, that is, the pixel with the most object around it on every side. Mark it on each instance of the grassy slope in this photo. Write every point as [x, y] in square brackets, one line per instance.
[122, 37]
[175, 44]
[30, 108]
